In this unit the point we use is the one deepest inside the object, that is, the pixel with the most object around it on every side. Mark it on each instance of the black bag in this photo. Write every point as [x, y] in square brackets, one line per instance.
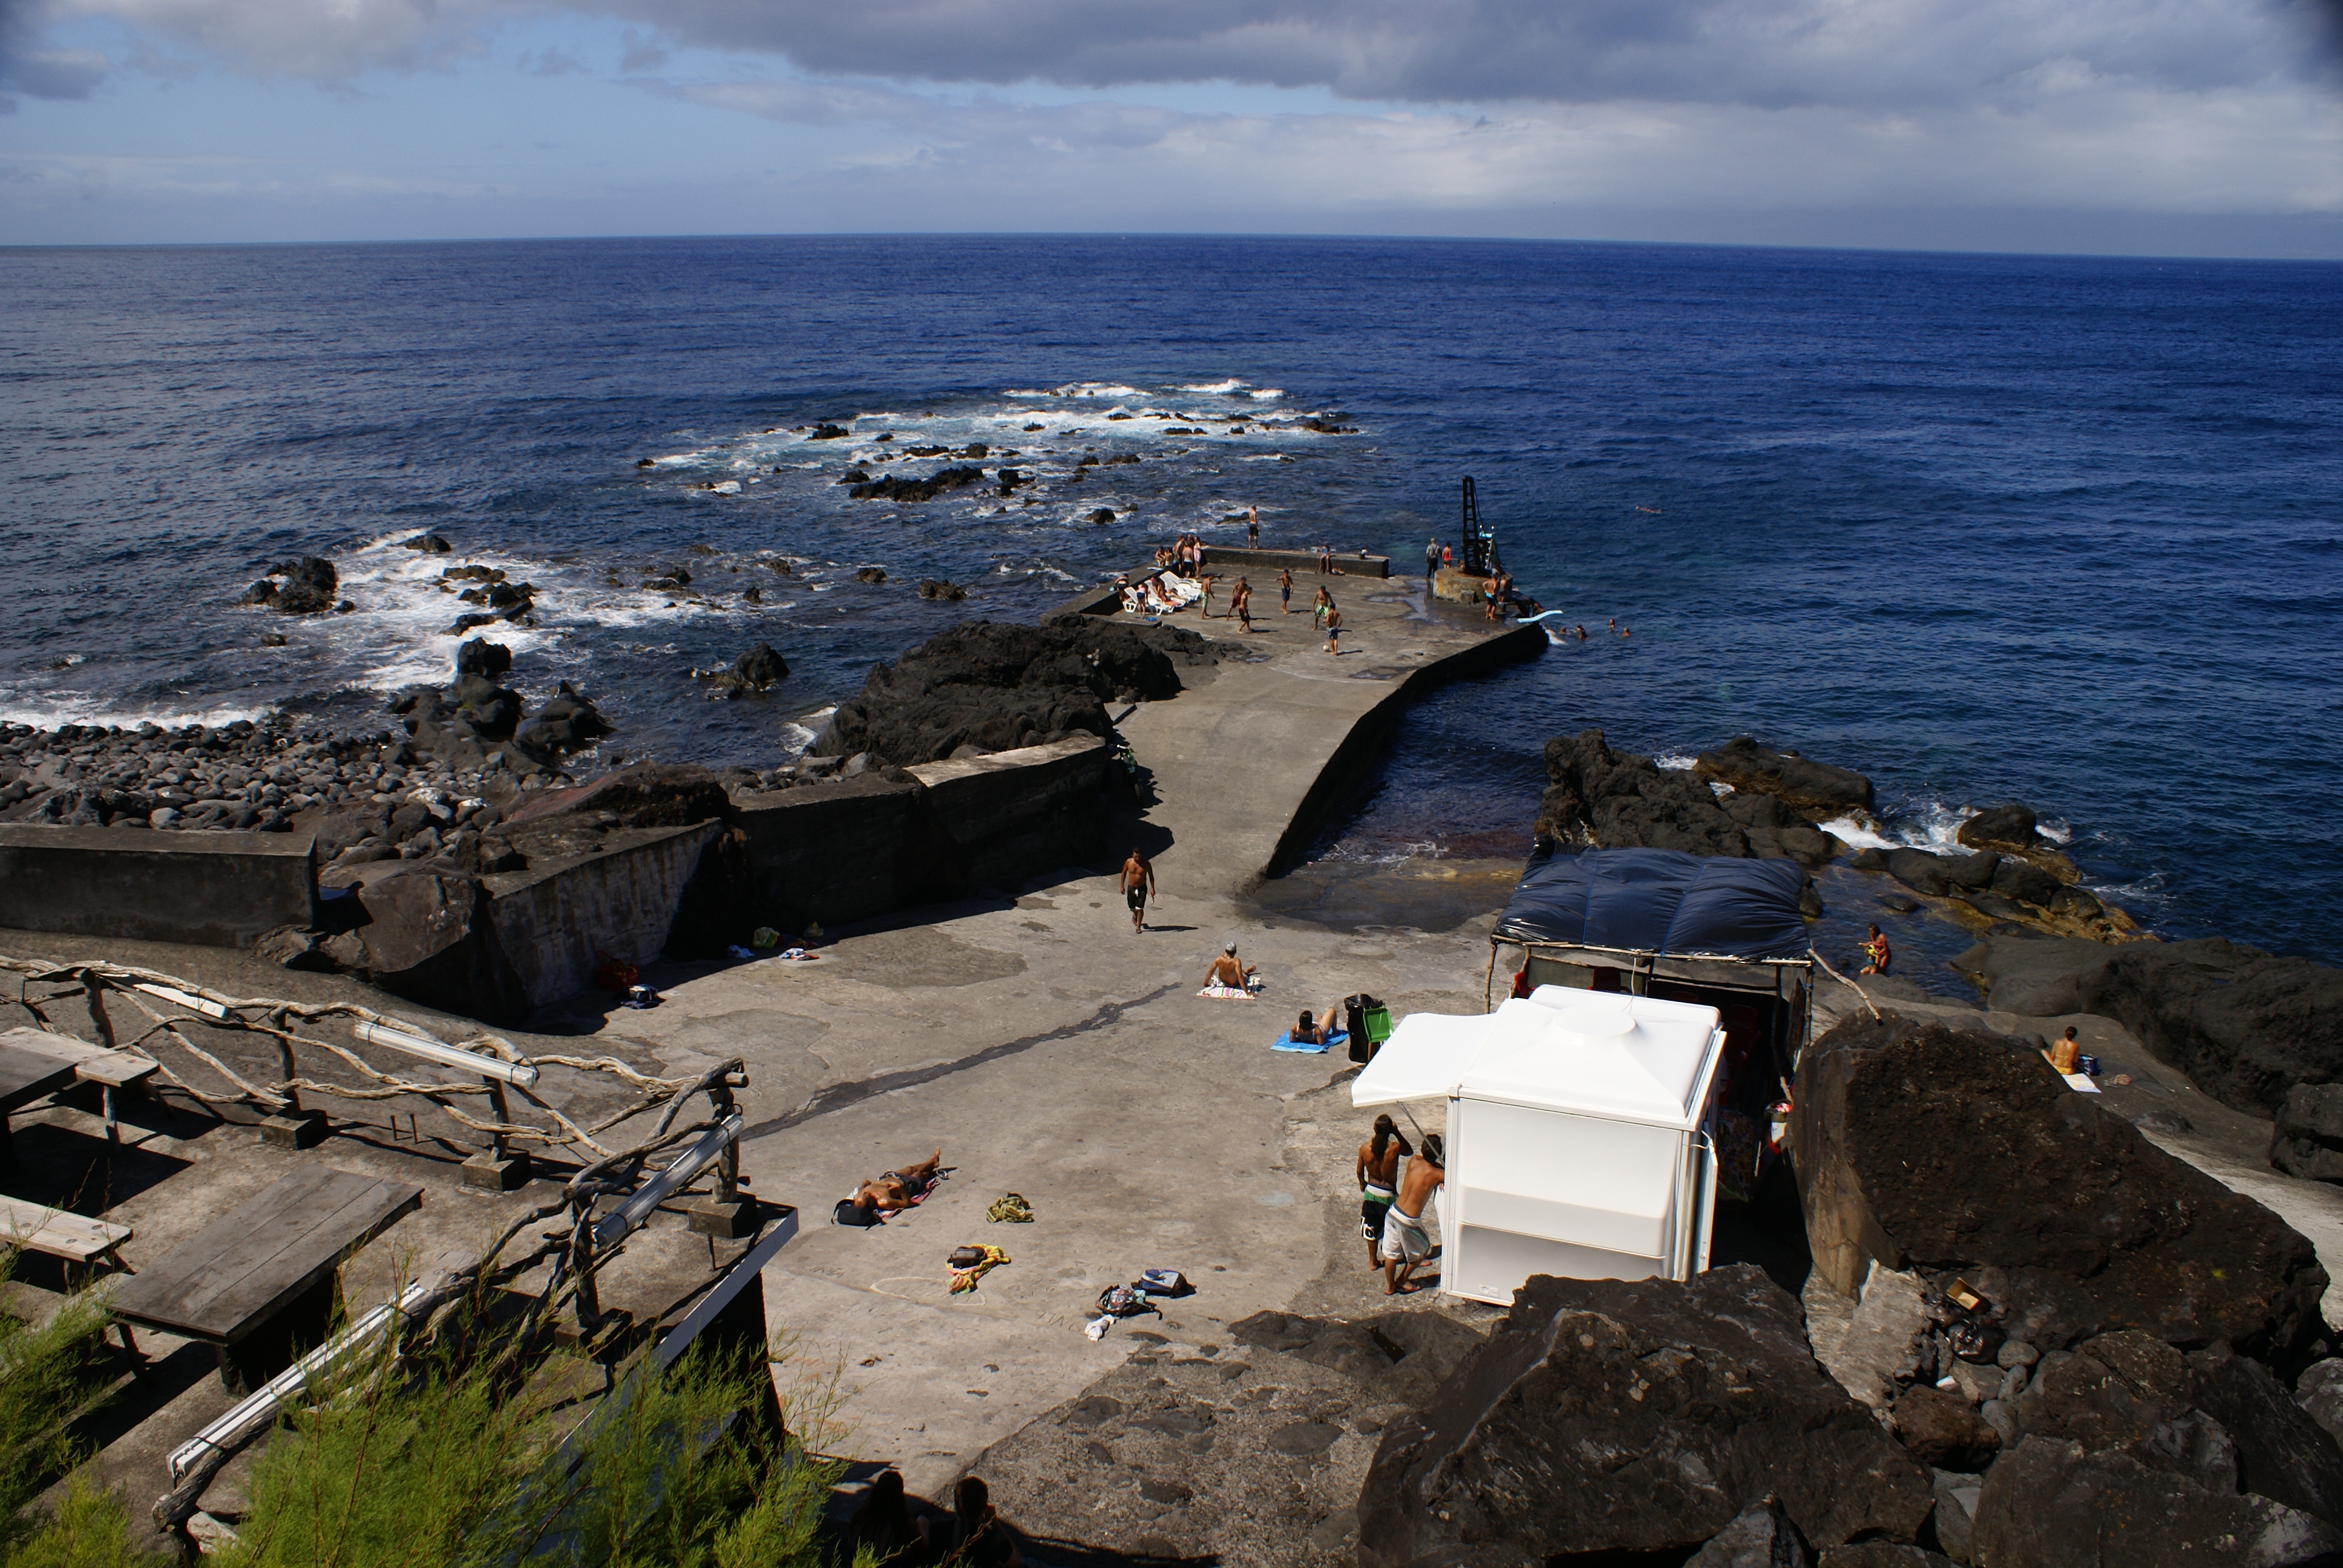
[1354, 1019]
[849, 1212]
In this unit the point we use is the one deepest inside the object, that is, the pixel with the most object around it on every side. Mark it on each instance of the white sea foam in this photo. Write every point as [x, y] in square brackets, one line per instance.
[1674, 761]
[1215, 388]
[1859, 835]
[1266, 393]
[53, 709]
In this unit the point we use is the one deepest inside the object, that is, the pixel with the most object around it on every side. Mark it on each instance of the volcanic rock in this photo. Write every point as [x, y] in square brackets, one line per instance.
[1634, 1416]
[2052, 1504]
[1944, 1429]
[1760, 1537]
[1961, 1150]
[481, 656]
[2319, 1392]
[646, 795]
[493, 711]
[309, 585]
[894, 487]
[2009, 825]
[1103, 516]
[828, 432]
[1815, 789]
[2025, 881]
[870, 574]
[2244, 1026]
[2032, 975]
[564, 723]
[1621, 801]
[756, 671]
[429, 544]
[2282, 1451]
[1919, 870]
[2307, 1137]
[932, 588]
[1003, 686]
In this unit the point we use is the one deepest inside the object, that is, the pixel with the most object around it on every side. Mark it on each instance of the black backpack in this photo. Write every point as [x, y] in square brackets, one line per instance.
[1354, 1019]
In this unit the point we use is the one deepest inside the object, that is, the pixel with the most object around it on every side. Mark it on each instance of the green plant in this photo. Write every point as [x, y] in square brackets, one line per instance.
[50, 1375]
[421, 1468]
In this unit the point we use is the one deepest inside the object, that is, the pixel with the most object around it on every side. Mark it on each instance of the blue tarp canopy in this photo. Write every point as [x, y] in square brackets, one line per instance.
[1659, 901]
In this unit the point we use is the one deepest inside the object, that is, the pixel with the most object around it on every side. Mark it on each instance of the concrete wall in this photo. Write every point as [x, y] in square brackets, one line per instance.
[211, 889]
[852, 848]
[1300, 563]
[551, 921]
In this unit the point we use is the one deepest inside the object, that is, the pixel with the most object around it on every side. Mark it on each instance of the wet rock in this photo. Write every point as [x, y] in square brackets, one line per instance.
[2025, 881]
[273, 639]
[1634, 1416]
[1815, 789]
[1919, 870]
[308, 587]
[759, 670]
[895, 487]
[2051, 1504]
[1760, 1537]
[1621, 801]
[479, 655]
[492, 710]
[565, 723]
[932, 587]
[2009, 825]
[1970, 873]
[1943, 1430]
[870, 573]
[1005, 686]
[1103, 516]
[1899, 903]
[432, 544]
[1955, 1149]
[828, 432]
[855, 476]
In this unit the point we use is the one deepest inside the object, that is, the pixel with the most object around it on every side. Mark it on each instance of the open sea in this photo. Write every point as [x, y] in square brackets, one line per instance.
[2063, 530]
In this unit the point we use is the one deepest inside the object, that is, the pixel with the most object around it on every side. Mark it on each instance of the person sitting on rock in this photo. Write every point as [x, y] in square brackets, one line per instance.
[901, 1187]
[884, 1522]
[985, 1539]
[1875, 954]
[2066, 1053]
[1228, 972]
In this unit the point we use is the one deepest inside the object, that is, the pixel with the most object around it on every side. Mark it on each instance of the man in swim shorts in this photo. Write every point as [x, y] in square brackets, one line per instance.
[1407, 1240]
[1137, 882]
[1378, 1174]
[899, 1189]
[1226, 972]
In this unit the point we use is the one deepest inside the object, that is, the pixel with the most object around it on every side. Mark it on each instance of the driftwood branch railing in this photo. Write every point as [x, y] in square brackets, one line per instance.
[175, 1011]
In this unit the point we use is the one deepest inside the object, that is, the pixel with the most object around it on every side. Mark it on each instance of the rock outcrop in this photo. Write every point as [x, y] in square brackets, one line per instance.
[1618, 800]
[2054, 1503]
[1815, 789]
[996, 687]
[308, 588]
[759, 670]
[1634, 1416]
[1958, 1151]
[894, 487]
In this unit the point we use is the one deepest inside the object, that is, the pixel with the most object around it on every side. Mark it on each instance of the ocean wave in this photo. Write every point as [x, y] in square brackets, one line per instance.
[1214, 389]
[52, 710]
[1266, 393]
[1675, 761]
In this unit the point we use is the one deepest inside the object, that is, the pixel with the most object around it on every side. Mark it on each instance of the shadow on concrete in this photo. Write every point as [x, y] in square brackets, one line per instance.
[67, 1168]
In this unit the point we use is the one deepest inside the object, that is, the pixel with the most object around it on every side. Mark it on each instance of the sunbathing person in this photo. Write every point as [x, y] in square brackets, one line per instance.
[901, 1187]
[1227, 971]
[1314, 1030]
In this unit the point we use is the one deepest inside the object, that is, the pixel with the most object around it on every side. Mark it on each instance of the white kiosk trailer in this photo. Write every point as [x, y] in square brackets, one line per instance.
[1591, 1121]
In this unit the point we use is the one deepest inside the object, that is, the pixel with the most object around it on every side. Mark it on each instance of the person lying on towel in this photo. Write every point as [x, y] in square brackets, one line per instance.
[899, 1189]
[1227, 971]
[1314, 1031]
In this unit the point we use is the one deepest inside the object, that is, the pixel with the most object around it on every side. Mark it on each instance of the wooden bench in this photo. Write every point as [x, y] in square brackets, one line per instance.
[26, 1076]
[111, 1069]
[60, 1233]
[257, 1284]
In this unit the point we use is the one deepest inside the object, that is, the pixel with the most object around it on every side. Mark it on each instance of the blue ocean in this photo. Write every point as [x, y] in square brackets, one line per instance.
[2063, 530]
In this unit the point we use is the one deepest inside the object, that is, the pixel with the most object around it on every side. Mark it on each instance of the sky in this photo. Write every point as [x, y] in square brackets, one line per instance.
[2113, 126]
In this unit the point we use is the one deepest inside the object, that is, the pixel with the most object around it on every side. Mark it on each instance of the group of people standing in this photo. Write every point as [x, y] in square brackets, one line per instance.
[1396, 1183]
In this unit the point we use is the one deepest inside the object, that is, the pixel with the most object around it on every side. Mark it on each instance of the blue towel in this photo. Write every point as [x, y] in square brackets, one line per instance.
[1287, 1043]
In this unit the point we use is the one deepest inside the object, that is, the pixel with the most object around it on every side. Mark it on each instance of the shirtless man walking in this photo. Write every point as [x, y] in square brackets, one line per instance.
[1406, 1242]
[1378, 1174]
[1138, 883]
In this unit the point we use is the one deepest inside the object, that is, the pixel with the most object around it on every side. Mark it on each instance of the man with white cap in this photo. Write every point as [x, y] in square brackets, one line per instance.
[1227, 971]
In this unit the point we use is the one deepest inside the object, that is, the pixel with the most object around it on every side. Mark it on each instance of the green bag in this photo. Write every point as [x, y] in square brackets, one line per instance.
[1379, 1024]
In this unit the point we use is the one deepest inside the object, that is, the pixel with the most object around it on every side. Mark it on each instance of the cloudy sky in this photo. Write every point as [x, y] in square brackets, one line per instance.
[2175, 126]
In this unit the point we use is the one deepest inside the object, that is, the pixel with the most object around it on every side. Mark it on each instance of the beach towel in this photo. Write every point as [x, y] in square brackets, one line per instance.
[1287, 1043]
[1230, 991]
[964, 1277]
